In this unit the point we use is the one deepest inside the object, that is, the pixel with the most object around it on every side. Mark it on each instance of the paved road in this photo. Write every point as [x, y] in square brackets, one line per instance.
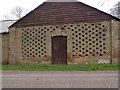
[60, 79]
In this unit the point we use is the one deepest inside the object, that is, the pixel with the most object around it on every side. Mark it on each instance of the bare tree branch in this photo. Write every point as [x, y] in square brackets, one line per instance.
[116, 10]
[16, 13]
[101, 2]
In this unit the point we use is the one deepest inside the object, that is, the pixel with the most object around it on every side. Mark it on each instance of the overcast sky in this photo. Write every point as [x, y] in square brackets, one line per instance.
[7, 5]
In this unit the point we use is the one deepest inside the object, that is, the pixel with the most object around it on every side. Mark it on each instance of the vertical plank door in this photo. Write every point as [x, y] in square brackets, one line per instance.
[59, 50]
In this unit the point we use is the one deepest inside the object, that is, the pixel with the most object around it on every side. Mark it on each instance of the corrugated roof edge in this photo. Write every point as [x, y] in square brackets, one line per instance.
[66, 2]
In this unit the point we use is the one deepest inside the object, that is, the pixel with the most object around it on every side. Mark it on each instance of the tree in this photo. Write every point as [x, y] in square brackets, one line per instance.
[116, 10]
[102, 2]
[16, 13]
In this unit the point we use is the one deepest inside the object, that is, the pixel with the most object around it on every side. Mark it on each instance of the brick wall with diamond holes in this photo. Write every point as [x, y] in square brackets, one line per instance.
[86, 42]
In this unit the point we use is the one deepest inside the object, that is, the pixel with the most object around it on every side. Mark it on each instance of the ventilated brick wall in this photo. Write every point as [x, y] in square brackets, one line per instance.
[86, 43]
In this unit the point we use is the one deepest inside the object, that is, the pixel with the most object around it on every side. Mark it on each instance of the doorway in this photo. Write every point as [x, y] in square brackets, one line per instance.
[59, 50]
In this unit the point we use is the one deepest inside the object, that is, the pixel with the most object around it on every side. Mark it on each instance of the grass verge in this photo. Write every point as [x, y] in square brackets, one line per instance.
[104, 67]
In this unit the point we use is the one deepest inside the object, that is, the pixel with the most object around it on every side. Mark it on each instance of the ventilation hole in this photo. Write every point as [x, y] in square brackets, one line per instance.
[103, 43]
[100, 54]
[75, 27]
[79, 33]
[96, 43]
[101, 50]
[90, 44]
[103, 25]
[79, 37]
[103, 30]
[76, 35]
[103, 34]
[104, 47]
[79, 41]
[76, 48]
[96, 34]
[96, 47]
[100, 41]
[96, 26]
[89, 26]
[82, 31]
[76, 44]
[89, 39]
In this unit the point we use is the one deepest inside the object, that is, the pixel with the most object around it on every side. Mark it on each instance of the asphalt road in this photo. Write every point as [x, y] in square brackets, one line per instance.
[60, 79]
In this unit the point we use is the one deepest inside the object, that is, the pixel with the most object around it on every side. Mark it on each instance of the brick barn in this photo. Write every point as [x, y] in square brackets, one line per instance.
[64, 33]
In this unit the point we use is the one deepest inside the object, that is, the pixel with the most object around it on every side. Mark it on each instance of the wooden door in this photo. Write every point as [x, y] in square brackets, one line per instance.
[59, 50]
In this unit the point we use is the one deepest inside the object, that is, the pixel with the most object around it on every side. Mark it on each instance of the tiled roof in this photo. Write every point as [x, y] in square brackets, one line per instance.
[62, 12]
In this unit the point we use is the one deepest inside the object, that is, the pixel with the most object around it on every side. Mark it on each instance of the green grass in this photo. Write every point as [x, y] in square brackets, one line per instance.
[106, 67]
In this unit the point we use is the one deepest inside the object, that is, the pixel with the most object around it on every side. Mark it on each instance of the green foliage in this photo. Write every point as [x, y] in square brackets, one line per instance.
[61, 67]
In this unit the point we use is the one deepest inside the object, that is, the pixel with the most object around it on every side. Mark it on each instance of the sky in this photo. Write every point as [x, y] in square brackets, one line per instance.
[7, 5]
